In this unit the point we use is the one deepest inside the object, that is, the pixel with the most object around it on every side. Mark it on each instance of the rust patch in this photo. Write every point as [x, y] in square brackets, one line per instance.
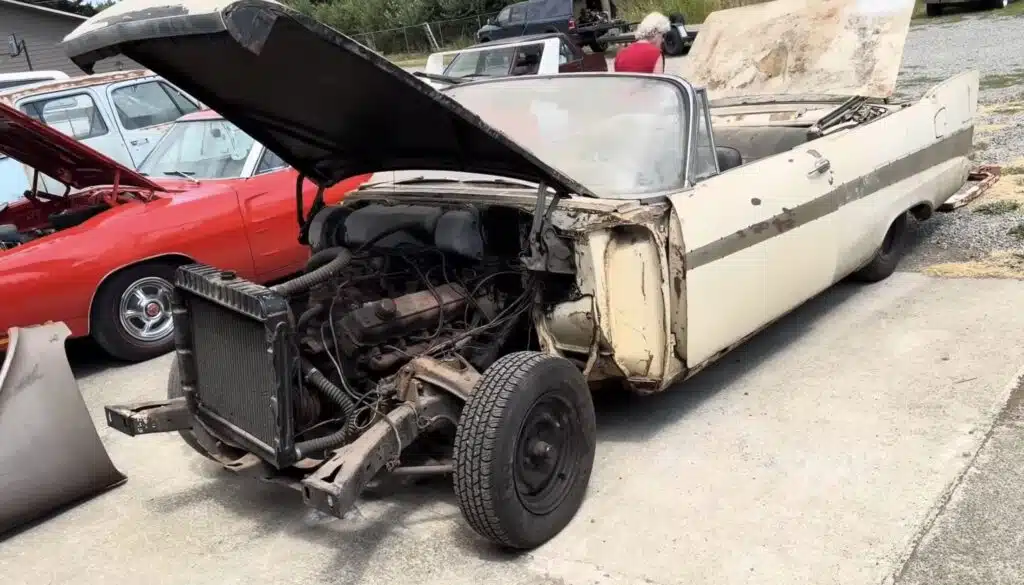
[984, 177]
[77, 82]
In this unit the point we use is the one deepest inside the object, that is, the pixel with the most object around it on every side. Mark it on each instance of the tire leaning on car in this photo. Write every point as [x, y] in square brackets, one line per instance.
[524, 449]
[888, 256]
[131, 314]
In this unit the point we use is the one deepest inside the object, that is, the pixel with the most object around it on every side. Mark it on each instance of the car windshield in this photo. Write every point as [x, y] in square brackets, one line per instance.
[618, 136]
[494, 62]
[200, 149]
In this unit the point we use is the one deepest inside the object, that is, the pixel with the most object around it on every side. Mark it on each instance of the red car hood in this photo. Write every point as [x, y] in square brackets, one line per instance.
[62, 157]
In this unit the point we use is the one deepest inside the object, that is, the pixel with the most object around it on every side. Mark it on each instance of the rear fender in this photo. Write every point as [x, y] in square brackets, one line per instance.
[51, 455]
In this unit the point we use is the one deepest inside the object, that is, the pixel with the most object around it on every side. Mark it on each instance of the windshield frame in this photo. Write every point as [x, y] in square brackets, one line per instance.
[687, 102]
[248, 166]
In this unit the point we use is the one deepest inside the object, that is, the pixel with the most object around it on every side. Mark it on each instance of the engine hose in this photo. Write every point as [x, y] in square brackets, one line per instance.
[307, 315]
[340, 258]
[337, 396]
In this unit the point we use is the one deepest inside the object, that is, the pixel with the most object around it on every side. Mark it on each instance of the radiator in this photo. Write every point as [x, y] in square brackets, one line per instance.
[234, 345]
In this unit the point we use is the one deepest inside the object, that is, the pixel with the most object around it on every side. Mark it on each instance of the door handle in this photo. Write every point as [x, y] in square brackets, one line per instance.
[139, 141]
[820, 166]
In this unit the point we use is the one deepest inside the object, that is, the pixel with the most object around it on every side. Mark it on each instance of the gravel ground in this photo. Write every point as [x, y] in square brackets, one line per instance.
[994, 45]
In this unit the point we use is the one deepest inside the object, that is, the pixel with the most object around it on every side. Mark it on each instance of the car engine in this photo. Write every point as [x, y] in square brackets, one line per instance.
[388, 283]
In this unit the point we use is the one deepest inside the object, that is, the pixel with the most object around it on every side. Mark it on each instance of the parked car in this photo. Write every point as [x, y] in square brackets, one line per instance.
[12, 80]
[542, 54]
[935, 7]
[120, 114]
[526, 237]
[102, 259]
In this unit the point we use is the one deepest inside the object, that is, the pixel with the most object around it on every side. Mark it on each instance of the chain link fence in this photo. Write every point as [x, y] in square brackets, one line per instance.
[425, 37]
[428, 37]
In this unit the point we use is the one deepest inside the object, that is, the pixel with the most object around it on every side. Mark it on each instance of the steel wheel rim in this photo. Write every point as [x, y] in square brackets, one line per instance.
[145, 309]
[547, 454]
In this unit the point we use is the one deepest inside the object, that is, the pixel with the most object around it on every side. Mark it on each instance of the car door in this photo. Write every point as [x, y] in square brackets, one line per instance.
[143, 109]
[909, 157]
[749, 257]
[81, 114]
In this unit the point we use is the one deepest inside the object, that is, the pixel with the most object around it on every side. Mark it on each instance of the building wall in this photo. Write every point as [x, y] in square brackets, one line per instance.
[42, 32]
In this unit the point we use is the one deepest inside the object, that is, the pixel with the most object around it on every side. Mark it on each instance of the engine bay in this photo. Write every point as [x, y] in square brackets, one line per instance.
[39, 214]
[399, 282]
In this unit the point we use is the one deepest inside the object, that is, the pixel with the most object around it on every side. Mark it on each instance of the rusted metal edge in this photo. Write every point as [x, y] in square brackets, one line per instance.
[983, 178]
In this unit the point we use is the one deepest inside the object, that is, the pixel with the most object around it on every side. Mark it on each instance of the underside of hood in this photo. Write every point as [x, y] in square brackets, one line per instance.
[59, 156]
[838, 47]
[327, 105]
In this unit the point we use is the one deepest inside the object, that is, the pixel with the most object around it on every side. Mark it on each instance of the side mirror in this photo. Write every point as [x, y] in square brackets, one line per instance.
[492, 21]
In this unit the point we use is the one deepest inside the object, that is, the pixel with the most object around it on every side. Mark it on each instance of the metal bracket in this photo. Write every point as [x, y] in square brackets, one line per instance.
[334, 487]
[143, 418]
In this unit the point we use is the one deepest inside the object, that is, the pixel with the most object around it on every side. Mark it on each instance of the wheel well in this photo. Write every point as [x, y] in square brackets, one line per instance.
[177, 259]
[922, 211]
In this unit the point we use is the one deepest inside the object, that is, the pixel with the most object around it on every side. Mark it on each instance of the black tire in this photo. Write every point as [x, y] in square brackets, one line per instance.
[997, 4]
[174, 390]
[933, 9]
[888, 256]
[519, 393]
[673, 43]
[107, 327]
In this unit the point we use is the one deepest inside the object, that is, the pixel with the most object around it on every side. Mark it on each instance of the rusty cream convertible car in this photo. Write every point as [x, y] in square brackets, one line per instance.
[524, 238]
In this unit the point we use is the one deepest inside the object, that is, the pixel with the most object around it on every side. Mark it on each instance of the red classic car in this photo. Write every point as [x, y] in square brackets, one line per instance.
[101, 256]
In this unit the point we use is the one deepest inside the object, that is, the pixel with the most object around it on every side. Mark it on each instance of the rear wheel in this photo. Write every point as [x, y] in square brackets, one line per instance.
[933, 9]
[524, 449]
[999, 3]
[131, 315]
[888, 256]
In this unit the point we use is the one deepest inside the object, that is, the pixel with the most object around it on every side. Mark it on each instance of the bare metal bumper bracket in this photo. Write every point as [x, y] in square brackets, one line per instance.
[143, 418]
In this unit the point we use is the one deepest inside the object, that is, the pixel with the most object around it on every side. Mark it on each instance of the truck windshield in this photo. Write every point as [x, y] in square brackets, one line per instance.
[200, 149]
[619, 136]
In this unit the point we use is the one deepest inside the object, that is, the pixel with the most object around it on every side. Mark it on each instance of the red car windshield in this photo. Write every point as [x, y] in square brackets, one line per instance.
[200, 149]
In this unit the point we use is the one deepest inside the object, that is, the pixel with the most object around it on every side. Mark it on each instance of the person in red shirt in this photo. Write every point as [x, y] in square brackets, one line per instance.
[644, 56]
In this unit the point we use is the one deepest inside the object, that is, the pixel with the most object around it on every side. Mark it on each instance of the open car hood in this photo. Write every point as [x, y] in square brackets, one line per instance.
[350, 112]
[53, 153]
[838, 47]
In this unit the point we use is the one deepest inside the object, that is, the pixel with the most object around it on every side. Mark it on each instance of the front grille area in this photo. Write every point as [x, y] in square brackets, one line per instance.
[233, 341]
[235, 378]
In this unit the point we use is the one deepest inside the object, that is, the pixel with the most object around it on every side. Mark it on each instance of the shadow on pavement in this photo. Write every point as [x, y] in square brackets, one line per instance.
[625, 417]
[86, 358]
[399, 505]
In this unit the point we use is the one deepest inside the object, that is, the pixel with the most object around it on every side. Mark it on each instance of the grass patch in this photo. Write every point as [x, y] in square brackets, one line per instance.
[1000, 264]
[1002, 80]
[999, 207]
[1013, 170]
[1017, 231]
[1012, 108]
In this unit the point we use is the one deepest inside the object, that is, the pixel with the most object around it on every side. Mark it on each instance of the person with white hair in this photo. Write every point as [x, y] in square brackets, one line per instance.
[644, 56]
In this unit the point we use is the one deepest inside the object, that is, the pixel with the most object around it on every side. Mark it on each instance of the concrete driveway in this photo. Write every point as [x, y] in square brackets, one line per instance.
[821, 452]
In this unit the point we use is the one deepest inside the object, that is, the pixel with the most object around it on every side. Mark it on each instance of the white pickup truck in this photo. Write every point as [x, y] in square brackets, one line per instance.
[542, 54]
